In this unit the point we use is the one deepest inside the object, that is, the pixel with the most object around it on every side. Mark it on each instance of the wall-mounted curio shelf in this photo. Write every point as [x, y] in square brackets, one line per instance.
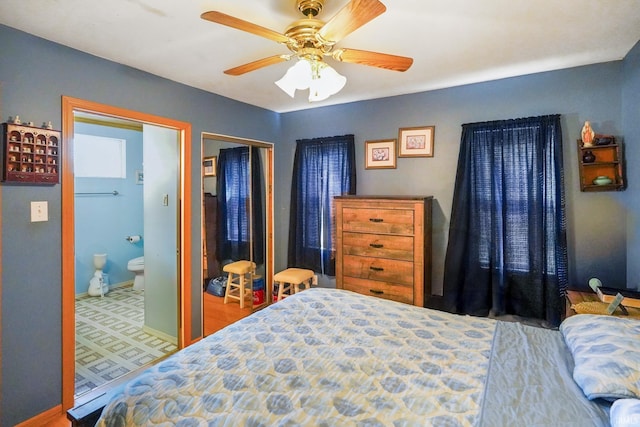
[31, 155]
[601, 166]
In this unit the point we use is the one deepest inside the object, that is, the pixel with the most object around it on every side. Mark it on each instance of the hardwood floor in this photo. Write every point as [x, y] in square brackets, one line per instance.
[217, 315]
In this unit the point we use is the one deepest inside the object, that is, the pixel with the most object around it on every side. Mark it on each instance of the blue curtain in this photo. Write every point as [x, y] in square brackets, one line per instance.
[239, 176]
[322, 168]
[507, 250]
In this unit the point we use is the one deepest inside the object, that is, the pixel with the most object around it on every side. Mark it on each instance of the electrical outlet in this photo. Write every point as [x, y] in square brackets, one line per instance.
[39, 211]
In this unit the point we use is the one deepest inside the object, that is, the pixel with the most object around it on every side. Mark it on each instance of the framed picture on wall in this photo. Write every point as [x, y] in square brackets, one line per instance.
[209, 166]
[416, 141]
[380, 154]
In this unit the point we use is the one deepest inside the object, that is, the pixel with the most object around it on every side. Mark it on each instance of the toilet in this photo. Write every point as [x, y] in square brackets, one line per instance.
[136, 266]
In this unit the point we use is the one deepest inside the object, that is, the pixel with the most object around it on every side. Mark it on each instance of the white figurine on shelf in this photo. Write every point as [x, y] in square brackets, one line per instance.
[587, 134]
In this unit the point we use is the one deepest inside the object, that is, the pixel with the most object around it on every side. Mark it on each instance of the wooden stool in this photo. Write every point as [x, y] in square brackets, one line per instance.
[289, 280]
[239, 271]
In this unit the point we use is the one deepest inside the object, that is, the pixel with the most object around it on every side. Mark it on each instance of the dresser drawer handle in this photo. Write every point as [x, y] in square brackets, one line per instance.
[375, 291]
[376, 219]
[376, 268]
[376, 245]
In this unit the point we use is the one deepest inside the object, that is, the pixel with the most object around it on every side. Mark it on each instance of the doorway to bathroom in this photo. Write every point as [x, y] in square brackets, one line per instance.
[125, 310]
[125, 216]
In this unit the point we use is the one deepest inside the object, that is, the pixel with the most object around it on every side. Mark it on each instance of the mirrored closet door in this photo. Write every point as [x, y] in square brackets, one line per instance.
[236, 223]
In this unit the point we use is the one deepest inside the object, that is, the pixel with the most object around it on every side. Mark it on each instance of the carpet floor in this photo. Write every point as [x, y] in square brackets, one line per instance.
[110, 341]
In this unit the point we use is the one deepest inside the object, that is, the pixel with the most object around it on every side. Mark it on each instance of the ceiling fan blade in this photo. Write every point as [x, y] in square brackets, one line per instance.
[351, 17]
[373, 59]
[237, 23]
[252, 66]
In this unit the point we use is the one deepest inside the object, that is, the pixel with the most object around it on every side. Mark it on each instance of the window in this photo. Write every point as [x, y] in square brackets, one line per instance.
[505, 188]
[99, 157]
[323, 168]
[507, 243]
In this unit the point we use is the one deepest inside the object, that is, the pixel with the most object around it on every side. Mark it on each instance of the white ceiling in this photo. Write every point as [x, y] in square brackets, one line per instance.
[453, 42]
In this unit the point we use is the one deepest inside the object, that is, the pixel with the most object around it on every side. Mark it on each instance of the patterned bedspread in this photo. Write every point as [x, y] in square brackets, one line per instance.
[322, 357]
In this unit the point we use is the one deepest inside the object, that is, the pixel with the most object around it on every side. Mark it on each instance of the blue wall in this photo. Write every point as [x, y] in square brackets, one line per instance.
[103, 221]
[631, 127]
[34, 74]
[602, 227]
[596, 221]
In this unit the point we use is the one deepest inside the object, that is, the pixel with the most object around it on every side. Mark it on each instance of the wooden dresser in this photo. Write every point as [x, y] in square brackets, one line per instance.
[383, 247]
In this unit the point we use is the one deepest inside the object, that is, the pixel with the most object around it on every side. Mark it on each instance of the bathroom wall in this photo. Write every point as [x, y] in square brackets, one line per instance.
[103, 221]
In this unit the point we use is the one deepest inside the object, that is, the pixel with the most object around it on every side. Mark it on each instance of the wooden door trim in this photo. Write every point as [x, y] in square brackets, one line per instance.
[69, 105]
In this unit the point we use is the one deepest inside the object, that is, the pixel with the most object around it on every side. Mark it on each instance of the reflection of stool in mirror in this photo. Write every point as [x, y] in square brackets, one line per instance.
[289, 280]
[240, 281]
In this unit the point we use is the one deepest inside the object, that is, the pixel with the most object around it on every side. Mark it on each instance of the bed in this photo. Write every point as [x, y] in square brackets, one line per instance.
[327, 357]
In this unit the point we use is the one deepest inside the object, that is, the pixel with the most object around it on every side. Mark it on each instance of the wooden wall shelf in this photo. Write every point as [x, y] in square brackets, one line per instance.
[30, 155]
[607, 162]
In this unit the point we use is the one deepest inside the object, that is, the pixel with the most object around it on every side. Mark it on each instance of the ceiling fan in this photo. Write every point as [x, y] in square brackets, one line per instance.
[310, 40]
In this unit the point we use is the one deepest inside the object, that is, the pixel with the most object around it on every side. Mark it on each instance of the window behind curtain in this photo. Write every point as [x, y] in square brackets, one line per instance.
[323, 168]
[507, 242]
[239, 182]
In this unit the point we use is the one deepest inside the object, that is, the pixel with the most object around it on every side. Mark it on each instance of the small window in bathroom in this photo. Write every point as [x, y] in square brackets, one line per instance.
[99, 157]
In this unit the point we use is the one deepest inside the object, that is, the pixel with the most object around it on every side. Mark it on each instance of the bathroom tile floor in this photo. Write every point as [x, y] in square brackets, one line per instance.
[110, 341]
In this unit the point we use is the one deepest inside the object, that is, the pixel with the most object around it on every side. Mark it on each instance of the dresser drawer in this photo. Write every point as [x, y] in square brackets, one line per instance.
[378, 246]
[385, 270]
[392, 291]
[389, 221]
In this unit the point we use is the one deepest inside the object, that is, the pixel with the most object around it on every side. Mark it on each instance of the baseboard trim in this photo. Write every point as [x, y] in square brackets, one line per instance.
[160, 334]
[121, 284]
[44, 418]
[111, 287]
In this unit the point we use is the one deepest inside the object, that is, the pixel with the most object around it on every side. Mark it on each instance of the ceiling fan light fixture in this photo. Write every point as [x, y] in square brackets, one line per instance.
[310, 40]
[296, 77]
[317, 76]
[326, 81]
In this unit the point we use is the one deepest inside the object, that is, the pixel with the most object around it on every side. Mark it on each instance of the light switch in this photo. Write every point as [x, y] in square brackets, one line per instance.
[165, 200]
[39, 211]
